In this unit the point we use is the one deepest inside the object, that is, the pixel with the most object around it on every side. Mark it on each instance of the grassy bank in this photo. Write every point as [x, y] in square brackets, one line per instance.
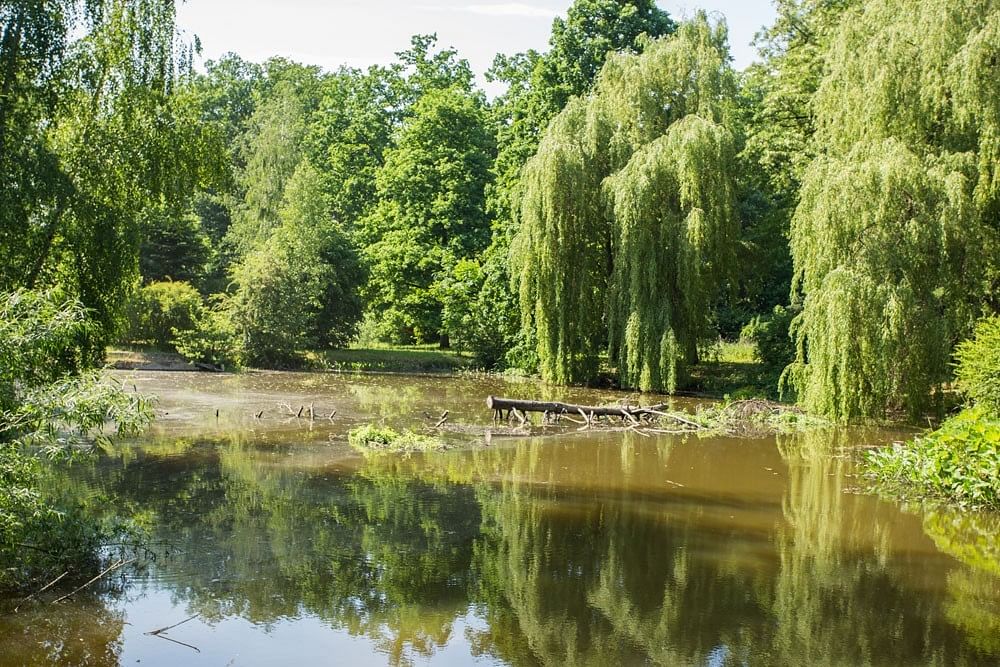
[730, 369]
[399, 359]
[395, 359]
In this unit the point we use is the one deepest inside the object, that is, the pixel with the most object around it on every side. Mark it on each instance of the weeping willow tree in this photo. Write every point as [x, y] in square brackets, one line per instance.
[627, 214]
[896, 226]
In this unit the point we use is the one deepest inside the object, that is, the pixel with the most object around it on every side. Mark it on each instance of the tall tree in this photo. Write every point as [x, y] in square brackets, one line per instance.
[298, 288]
[431, 209]
[271, 149]
[897, 221]
[94, 130]
[350, 131]
[538, 86]
[628, 202]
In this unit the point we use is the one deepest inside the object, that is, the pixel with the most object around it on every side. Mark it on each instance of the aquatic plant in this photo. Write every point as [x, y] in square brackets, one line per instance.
[384, 439]
[959, 462]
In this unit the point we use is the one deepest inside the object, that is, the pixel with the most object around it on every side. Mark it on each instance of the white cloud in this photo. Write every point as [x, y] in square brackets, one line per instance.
[497, 9]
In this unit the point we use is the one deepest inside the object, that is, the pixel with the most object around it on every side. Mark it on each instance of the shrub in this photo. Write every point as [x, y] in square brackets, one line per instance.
[161, 309]
[959, 462]
[47, 407]
[978, 369]
[213, 338]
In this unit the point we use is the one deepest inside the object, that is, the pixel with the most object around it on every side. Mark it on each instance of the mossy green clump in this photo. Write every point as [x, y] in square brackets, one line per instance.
[372, 438]
[959, 462]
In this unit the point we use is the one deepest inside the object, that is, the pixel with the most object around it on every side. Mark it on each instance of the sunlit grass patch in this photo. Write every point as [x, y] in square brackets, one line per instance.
[399, 359]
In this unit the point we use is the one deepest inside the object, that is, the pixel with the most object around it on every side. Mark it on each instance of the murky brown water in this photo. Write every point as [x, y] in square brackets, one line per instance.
[562, 549]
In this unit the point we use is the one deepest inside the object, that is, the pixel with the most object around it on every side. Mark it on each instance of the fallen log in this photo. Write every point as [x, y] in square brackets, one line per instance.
[630, 412]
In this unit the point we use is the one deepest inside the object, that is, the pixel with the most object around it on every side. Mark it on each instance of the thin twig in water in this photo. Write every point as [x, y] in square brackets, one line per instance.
[41, 590]
[171, 627]
[170, 639]
[114, 566]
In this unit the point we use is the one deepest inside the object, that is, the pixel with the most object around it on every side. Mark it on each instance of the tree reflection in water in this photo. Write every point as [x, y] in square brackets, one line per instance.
[573, 551]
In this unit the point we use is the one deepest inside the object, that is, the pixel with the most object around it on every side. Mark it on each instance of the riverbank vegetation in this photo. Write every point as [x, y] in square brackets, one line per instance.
[627, 201]
[49, 409]
[960, 461]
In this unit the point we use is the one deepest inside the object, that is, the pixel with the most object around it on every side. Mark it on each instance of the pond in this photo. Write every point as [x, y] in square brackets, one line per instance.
[273, 542]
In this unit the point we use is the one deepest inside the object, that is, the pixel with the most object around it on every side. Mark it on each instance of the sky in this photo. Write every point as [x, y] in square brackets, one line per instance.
[360, 33]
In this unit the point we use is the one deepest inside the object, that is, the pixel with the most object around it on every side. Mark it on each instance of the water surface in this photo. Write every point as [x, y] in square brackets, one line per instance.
[561, 548]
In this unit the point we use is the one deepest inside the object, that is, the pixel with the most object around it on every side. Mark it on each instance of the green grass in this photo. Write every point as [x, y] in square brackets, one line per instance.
[396, 359]
[371, 438]
[730, 369]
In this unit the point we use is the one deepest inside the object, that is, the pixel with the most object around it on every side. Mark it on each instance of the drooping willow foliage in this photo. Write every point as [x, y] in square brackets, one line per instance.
[627, 214]
[892, 234]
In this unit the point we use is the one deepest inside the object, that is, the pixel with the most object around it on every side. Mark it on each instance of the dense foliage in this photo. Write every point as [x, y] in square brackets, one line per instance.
[978, 369]
[959, 462]
[96, 127]
[162, 310]
[47, 409]
[627, 199]
[629, 203]
[895, 230]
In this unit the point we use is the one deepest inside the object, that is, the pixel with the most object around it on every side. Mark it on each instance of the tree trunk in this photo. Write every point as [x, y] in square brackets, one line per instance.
[497, 403]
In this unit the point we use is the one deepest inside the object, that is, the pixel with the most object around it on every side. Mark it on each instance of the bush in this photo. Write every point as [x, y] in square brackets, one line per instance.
[213, 338]
[161, 309]
[959, 462]
[773, 346]
[47, 407]
[978, 369]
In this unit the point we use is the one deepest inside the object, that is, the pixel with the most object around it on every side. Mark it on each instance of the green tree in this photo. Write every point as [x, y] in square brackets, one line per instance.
[431, 209]
[349, 133]
[538, 86]
[173, 247]
[627, 224]
[270, 150]
[894, 233]
[777, 123]
[95, 128]
[299, 288]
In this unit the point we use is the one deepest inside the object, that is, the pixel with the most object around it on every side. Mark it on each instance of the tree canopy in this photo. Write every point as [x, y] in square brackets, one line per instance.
[897, 220]
[626, 218]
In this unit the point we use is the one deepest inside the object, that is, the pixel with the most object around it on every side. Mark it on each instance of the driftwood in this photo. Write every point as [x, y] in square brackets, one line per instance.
[628, 412]
[632, 417]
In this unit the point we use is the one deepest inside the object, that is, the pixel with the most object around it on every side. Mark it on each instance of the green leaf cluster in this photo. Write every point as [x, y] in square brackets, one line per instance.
[978, 366]
[959, 462]
[49, 408]
[162, 309]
